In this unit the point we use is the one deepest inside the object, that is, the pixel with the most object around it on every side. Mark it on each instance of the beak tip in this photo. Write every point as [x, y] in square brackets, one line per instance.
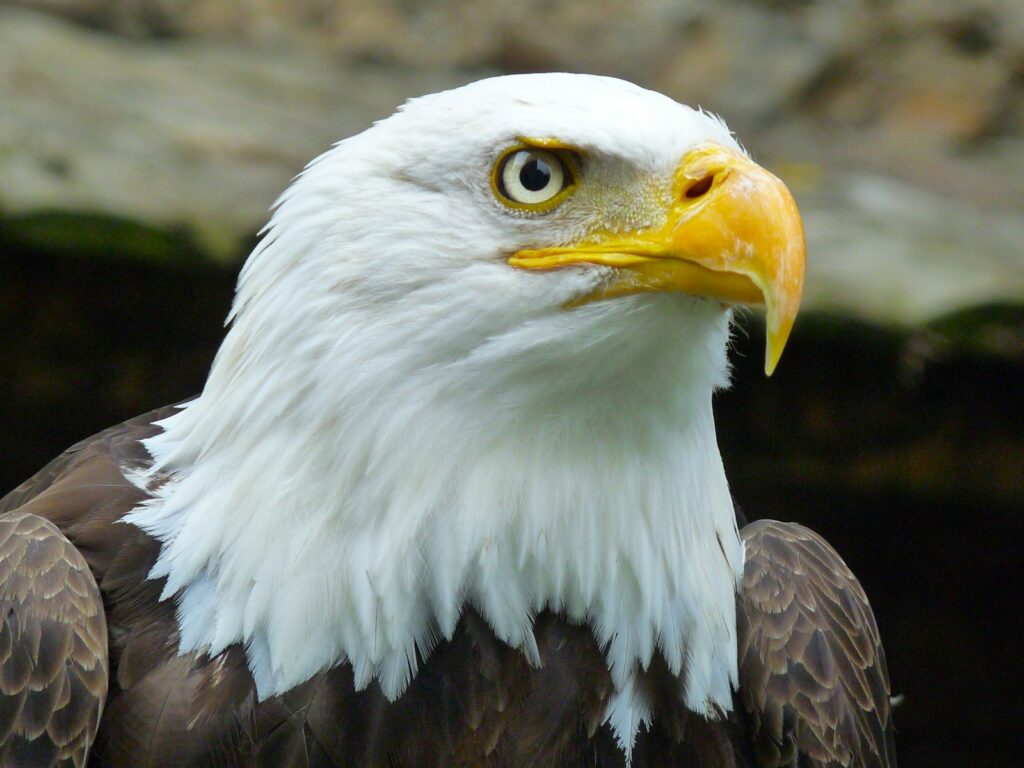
[775, 342]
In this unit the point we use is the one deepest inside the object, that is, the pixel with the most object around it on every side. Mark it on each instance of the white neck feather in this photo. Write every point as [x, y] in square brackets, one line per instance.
[318, 538]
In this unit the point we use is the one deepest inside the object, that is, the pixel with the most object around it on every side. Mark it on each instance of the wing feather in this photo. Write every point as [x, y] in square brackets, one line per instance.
[53, 646]
[813, 682]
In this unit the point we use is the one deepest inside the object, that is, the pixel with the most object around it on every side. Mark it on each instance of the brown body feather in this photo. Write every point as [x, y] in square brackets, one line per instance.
[813, 680]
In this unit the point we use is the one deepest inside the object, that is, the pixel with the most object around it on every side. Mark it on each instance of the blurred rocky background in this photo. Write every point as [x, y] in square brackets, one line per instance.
[142, 141]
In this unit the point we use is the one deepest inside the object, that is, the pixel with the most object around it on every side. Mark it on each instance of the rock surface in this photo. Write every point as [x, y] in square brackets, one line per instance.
[192, 135]
[899, 126]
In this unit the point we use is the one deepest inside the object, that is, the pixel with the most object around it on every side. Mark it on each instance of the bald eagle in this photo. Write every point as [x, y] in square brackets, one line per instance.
[451, 494]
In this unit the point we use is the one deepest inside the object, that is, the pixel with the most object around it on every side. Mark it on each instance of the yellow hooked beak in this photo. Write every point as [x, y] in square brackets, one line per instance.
[733, 233]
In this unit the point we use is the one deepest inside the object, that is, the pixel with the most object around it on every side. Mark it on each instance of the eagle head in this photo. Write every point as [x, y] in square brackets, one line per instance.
[501, 225]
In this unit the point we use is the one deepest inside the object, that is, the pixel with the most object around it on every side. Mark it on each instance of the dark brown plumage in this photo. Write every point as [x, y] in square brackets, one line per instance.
[814, 681]
[53, 646]
[813, 692]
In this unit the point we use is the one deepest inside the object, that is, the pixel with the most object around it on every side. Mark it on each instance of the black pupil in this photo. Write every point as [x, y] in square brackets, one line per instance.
[535, 175]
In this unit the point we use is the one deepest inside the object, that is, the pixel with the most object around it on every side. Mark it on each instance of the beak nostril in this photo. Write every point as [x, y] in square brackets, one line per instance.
[699, 188]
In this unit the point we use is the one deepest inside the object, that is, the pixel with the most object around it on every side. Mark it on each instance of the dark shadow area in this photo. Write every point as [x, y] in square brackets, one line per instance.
[904, 450]
[89, 342]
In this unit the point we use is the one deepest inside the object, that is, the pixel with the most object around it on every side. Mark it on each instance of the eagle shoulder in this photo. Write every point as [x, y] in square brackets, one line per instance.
[53, 646]
[814, 688]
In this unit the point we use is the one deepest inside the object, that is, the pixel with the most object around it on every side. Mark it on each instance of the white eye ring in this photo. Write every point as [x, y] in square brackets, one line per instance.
[532, 176]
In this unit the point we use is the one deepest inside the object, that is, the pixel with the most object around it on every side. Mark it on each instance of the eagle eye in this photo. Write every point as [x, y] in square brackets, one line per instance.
[533, 179]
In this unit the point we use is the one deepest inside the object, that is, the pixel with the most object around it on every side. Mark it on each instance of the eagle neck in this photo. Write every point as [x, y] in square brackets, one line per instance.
[318, 529]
